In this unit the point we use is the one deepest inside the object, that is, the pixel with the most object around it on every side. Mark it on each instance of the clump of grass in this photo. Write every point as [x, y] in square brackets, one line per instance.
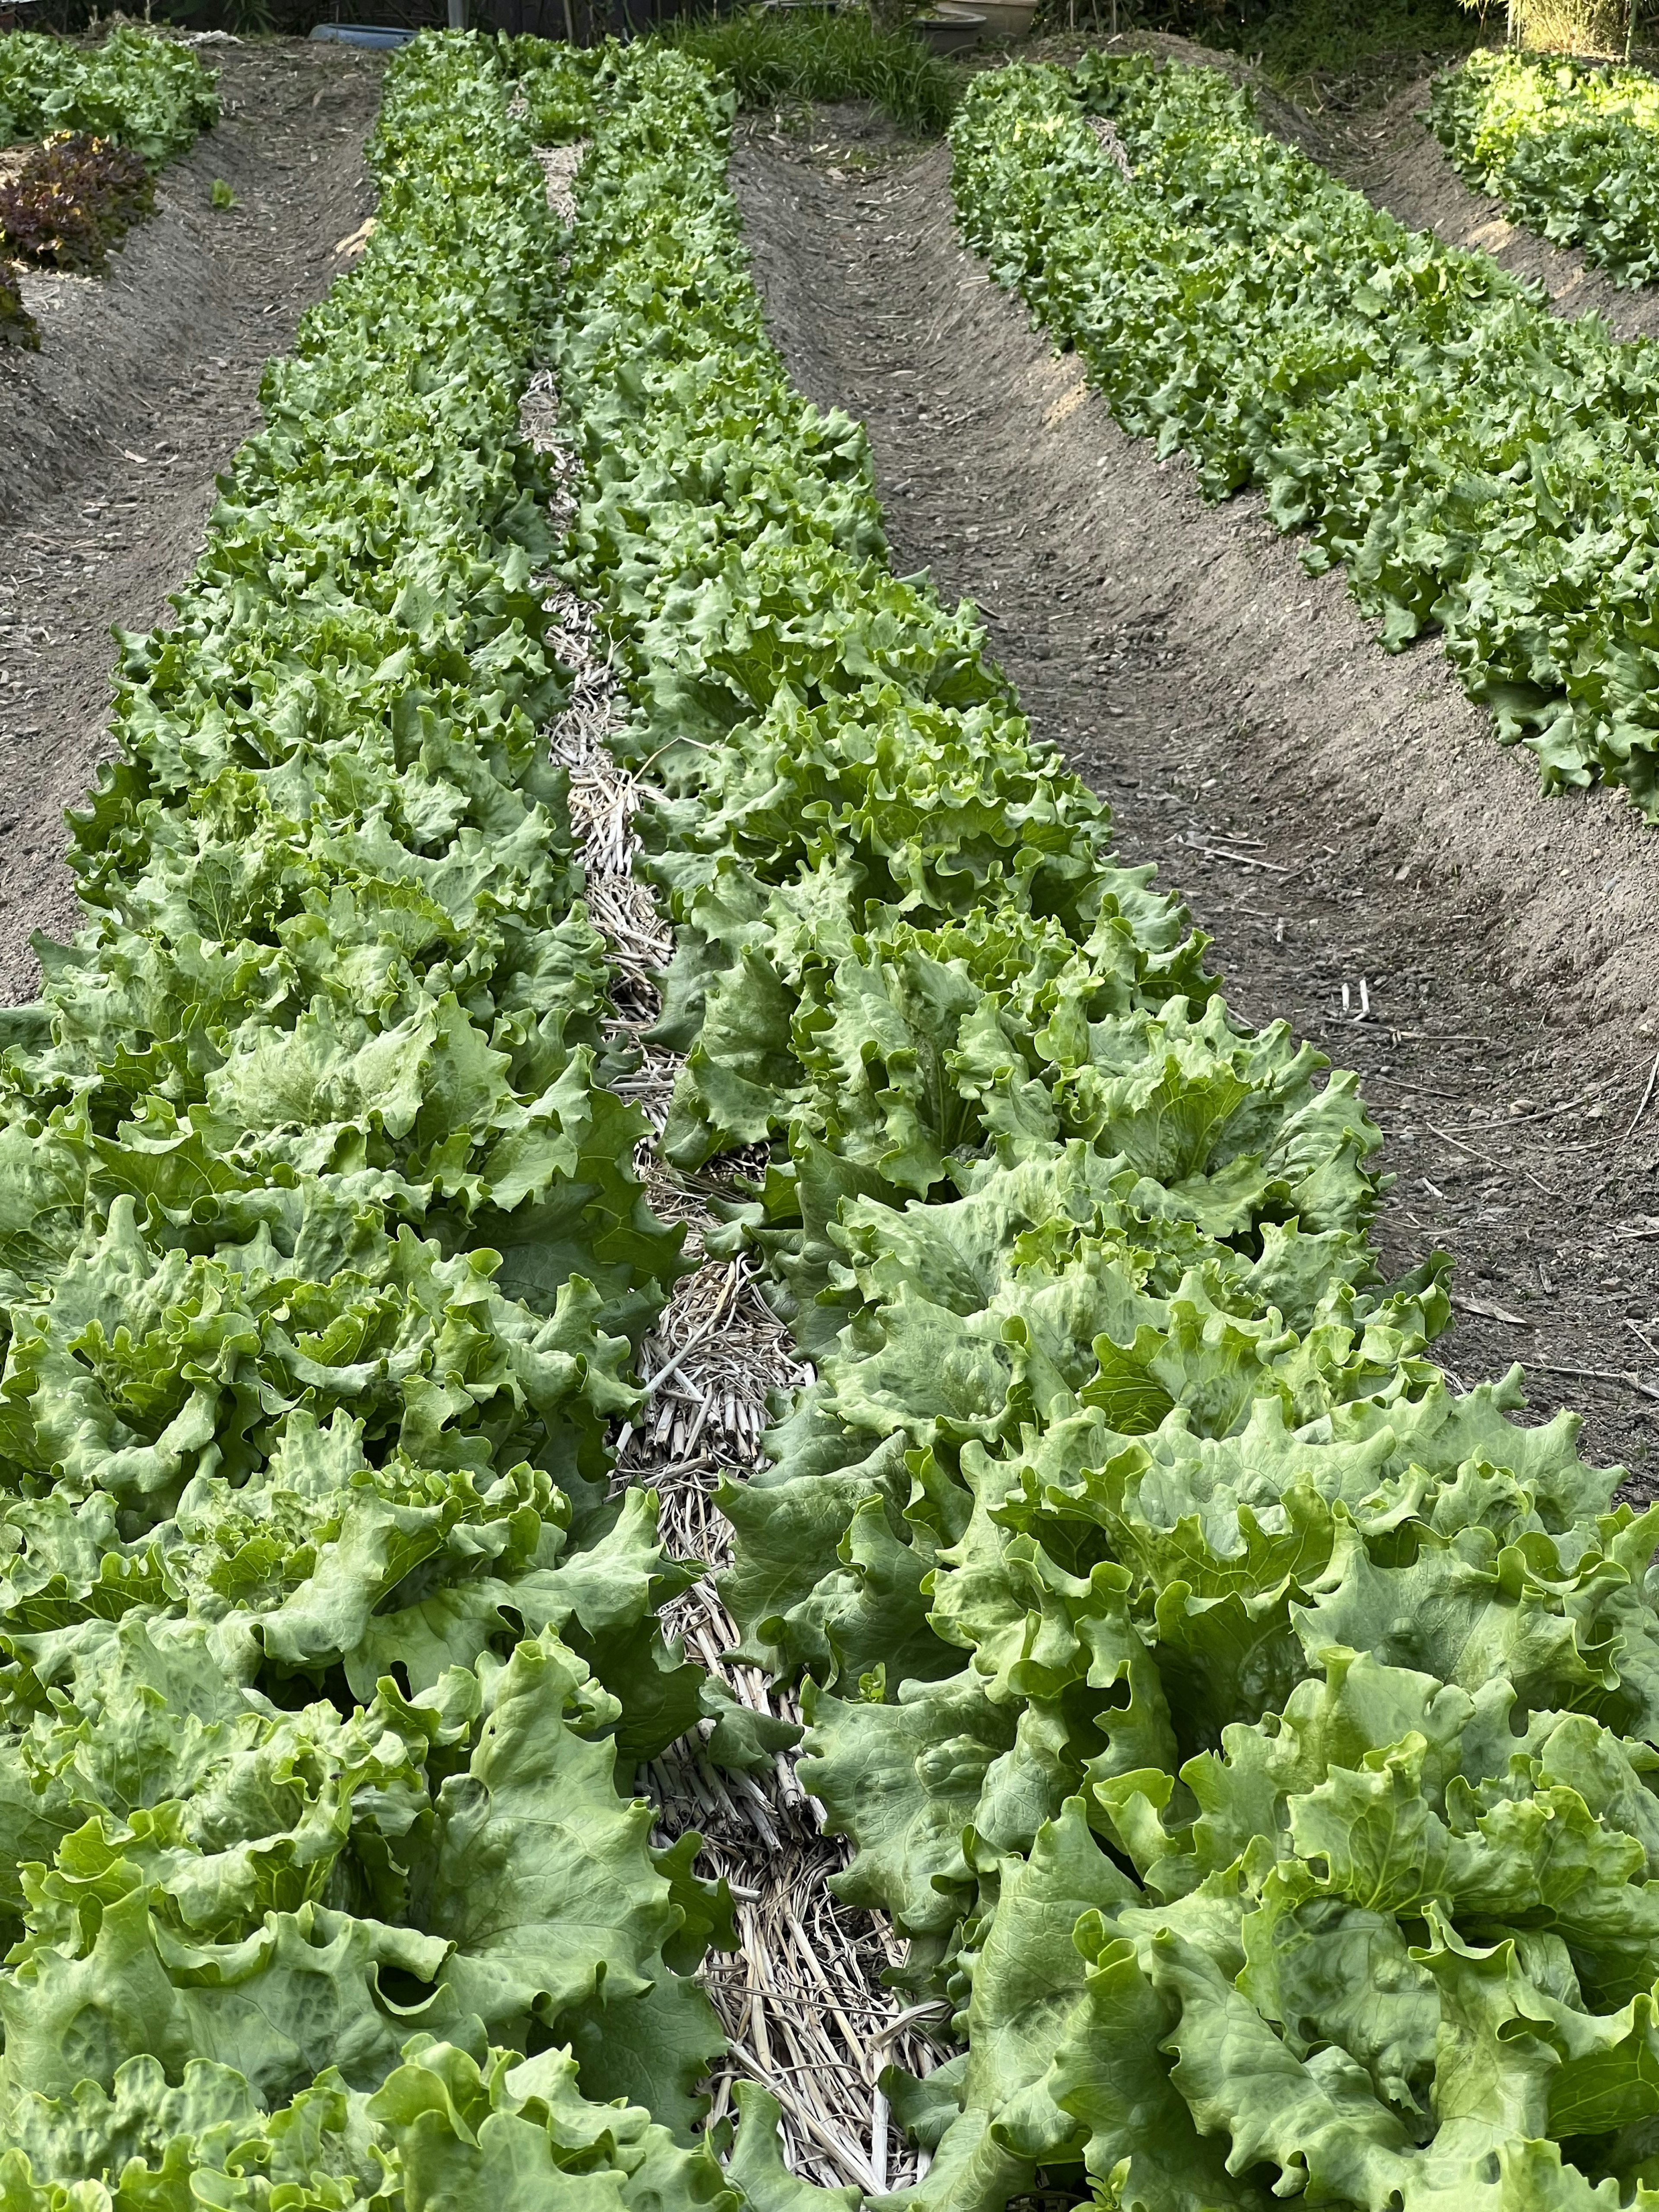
[1337, 37]
[1311, 48]
[775, 56]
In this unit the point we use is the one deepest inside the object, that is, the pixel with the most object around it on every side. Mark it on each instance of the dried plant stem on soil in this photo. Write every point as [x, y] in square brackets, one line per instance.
[802, 1999]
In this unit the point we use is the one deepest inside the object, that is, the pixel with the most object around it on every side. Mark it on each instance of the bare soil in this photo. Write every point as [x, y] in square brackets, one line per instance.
[112, 436]
[1373, 867]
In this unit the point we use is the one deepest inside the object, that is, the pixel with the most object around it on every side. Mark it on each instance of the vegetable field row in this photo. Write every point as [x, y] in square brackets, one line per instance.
[321, 1252]
[112, 116]
[1482, 468]
[141, 91]
[1254, 1738]
[1570, 148]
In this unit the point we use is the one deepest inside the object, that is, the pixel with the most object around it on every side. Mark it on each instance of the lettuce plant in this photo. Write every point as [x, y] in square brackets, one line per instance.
[72, 200]
[1570, 148]
[139, 89]
[1482, 467]
[1253, 1736]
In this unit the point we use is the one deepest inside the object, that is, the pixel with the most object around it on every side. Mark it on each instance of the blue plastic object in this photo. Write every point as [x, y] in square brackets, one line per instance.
[361, 34]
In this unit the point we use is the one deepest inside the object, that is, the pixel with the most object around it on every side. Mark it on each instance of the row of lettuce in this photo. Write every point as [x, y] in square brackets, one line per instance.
[136, 89]
[1255, 1740]
[1571, 147]
[326, 1652]
[111, 115]
[71, 202]
[1482, 468]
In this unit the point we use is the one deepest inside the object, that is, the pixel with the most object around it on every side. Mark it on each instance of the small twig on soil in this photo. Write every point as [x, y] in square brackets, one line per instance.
[1436, 1036]
[1244, 860]
[1538, 1183]
[1597, 1375]
[1547, 1113]
[1653, 1078]
[1487, 1160]
[1483, 1310]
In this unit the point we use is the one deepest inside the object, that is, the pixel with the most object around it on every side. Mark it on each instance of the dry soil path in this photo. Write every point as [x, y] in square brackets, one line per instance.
[111, 435]
[1373, 867]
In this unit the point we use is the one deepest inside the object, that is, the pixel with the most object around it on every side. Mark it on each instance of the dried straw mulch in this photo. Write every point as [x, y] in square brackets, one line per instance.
[803, 1999]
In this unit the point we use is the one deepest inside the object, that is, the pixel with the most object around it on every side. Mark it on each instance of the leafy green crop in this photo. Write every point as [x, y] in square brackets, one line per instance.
[327, 1655]
[137, 88]
[1483, 468]
[71, 202]
[1571, 150]
[1255, 1739]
